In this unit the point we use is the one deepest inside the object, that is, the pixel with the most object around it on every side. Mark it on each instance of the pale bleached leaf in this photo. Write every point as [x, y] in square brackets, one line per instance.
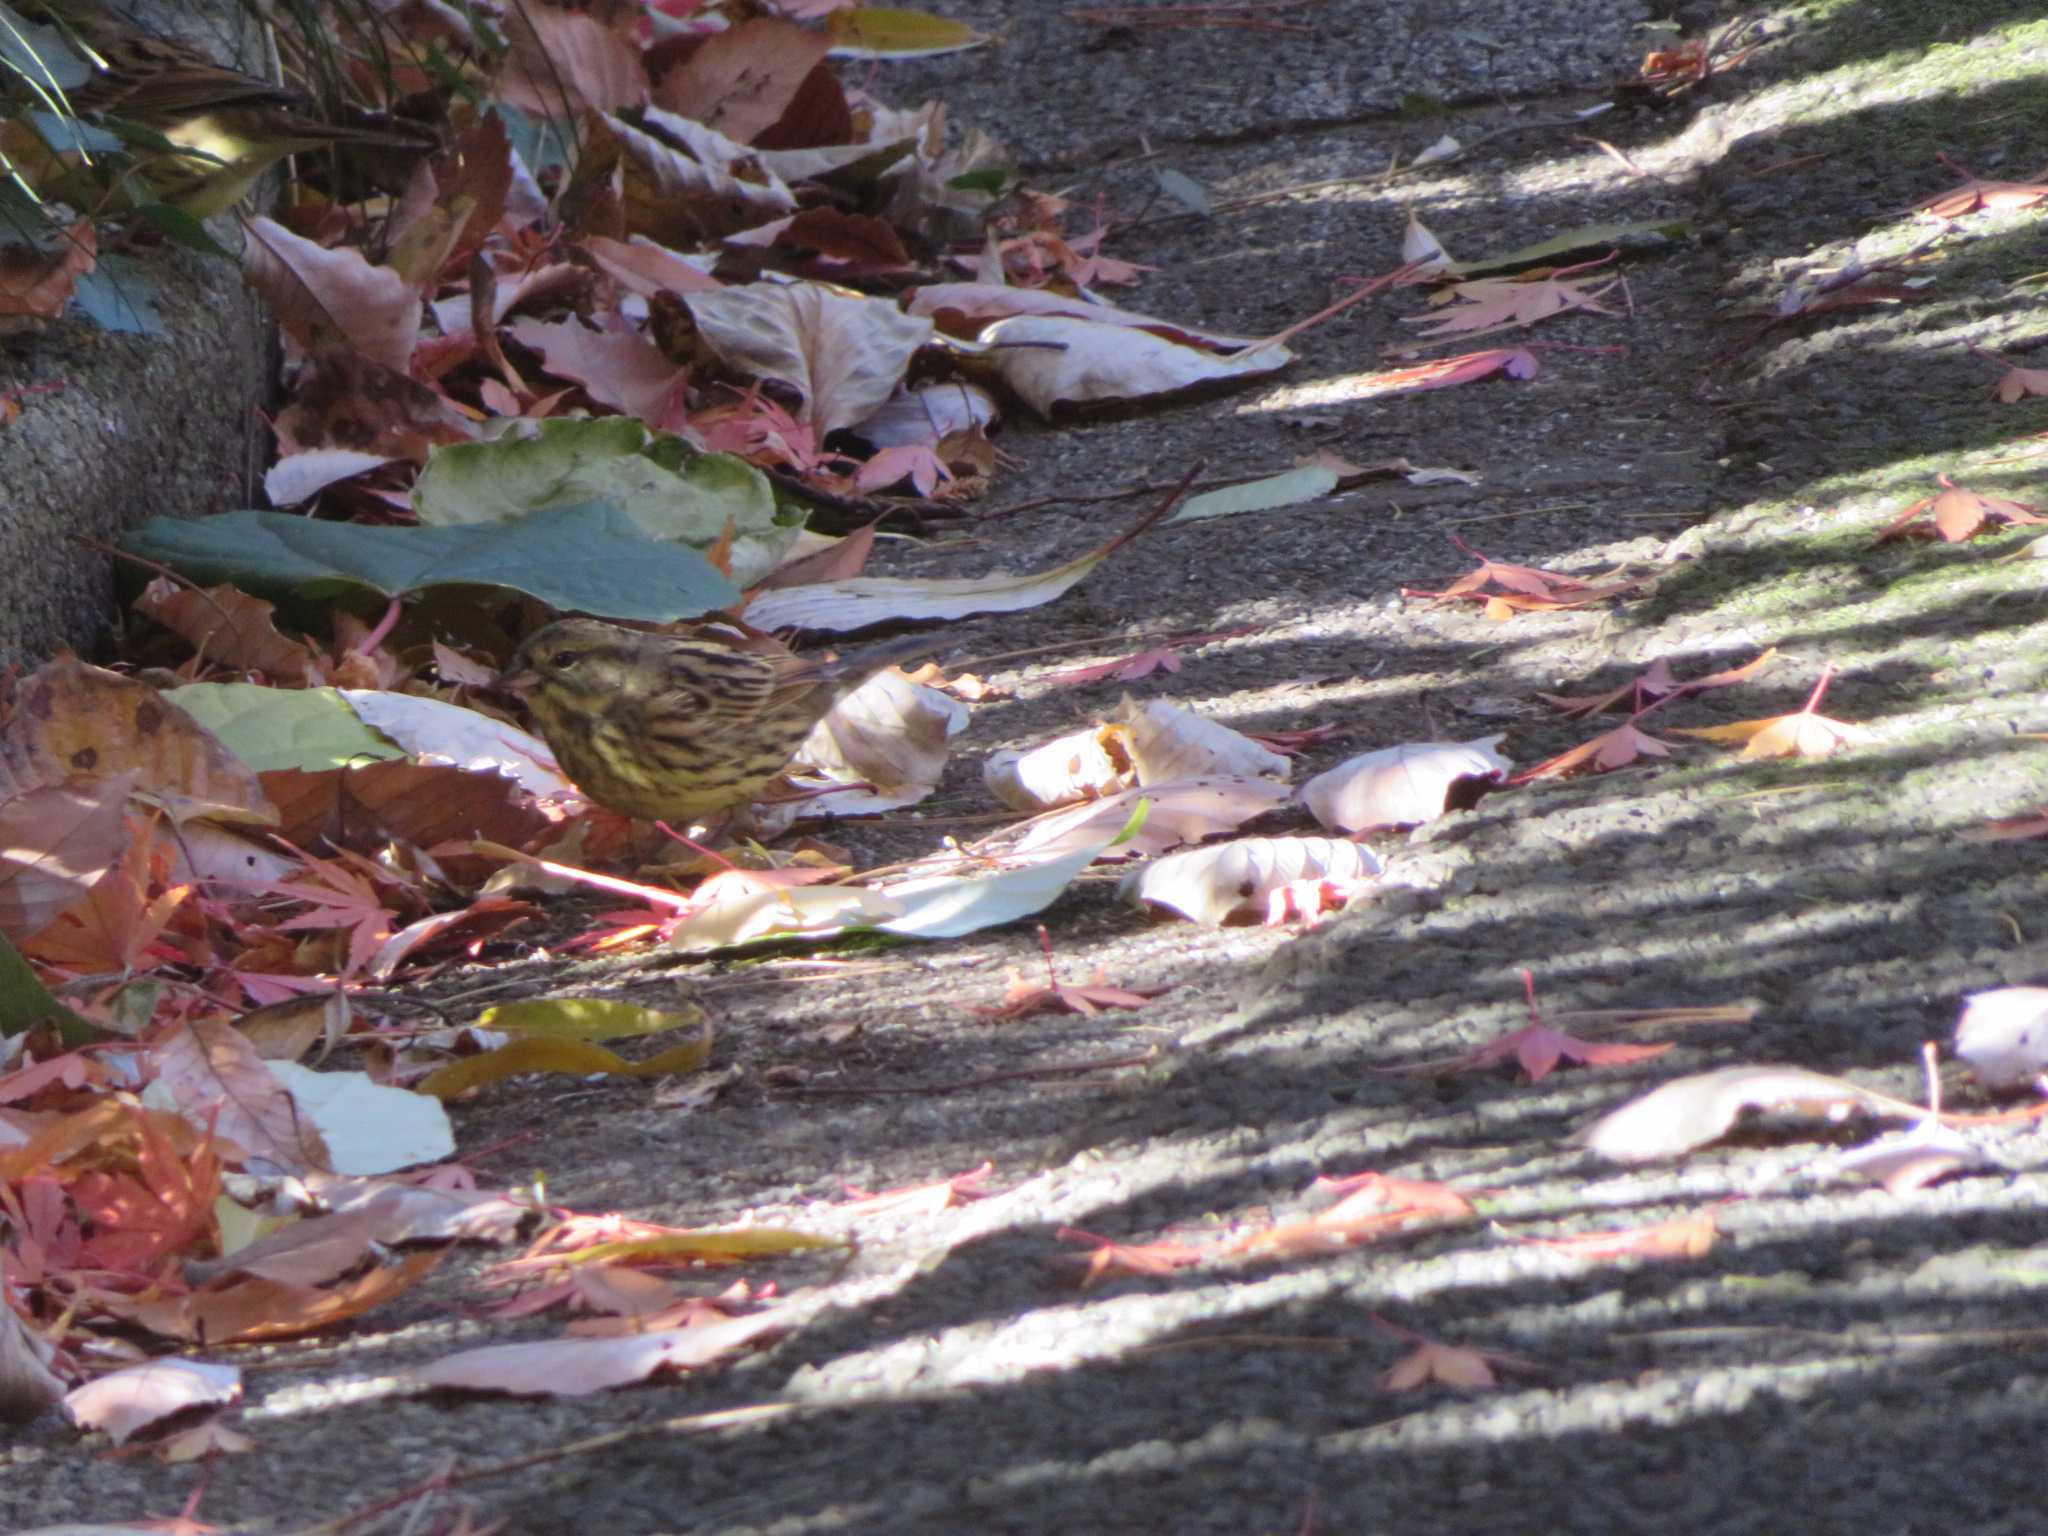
[1689, 1112]
[1399, 786]
[1053, 360]
[1167, 742]
[843, 353]
[887, 741]
[2003, 1035]
[1241, 878]
[1081, 765]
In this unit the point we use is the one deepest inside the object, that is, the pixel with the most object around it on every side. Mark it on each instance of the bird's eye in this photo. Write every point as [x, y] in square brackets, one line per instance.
[562, 661]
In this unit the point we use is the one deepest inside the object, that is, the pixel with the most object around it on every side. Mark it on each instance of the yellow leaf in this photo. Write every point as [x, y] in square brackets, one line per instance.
[885, 32]
[713, 1245]
[584, 1018]
[576, 1057]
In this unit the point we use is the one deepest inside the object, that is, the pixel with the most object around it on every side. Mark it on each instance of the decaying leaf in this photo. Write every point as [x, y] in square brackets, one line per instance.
[1401, 786]
[882, 746]
[1081, 765]
[74, 721]
[1166, 742]
[1252, 877]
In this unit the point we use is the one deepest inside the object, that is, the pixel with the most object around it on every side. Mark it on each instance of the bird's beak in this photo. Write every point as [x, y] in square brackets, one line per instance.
[521, 680]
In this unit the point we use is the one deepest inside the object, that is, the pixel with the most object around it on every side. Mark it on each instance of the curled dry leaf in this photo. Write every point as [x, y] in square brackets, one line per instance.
[1689, 1112]
[885, 743]
[1401, 786]
[126, 1402]
[1167, 742]
[74, 721]
[1081, 765]
[1054, 360]
[2003, 1035]
[1244, 877]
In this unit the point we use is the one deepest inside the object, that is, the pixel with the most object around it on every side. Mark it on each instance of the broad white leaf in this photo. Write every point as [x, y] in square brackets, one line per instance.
[123, 1403]
[1399, 786]
[1167, 742]
[435, 731]
[1241, 878]
[1081, 765]
[1052, 360]
[1689, 1112]
[2003, 1035]
[889, 735]
[845, 354]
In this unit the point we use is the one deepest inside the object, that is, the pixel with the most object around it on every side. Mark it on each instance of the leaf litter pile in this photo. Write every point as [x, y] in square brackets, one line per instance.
[671, 324]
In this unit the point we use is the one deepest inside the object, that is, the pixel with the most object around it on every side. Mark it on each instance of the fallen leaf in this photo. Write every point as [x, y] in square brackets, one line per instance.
[1241, 878]
[1683, 1237]
[1165, 742]
[1956, 514]
[1108, 1258]
[1401, 786]
[578, 1367]
[1611, 749]
[1449, 1365]
[123, 1403]
[2003, 1035]
[1800, 734]
[1689, 1112]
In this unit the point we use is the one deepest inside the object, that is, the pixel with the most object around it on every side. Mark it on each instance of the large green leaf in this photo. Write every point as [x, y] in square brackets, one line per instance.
[593, 559]
[671, 491]
[312, 729]
[25, 1002]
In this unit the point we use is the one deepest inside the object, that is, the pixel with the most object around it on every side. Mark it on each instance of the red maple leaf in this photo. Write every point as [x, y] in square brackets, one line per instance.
[1109, 1257]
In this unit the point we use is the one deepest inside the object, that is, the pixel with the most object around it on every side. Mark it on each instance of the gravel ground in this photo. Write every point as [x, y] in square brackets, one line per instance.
[1843, 1358]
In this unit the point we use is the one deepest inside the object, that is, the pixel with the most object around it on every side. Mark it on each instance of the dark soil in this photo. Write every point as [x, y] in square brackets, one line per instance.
[1844, 1359]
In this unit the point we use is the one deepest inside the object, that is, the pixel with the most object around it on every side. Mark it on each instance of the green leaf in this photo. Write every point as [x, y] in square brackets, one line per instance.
[671, 491]
[592, 559]
[271, 728]
[185, 230]
[888, 32]
[989, 179]
[1185, 190]
[25, 1002]
[1284, 490]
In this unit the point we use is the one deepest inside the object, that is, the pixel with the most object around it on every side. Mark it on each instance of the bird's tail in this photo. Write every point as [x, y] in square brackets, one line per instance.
[862, 663]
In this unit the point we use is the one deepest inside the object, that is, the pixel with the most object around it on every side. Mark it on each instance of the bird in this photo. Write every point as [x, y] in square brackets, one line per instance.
[210, 131]
[669, 728]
